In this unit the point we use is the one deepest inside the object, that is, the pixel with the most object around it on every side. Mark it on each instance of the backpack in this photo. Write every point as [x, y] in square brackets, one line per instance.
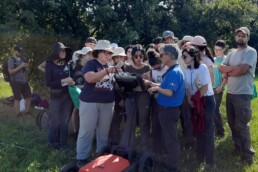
[6, 74]
[43, 119]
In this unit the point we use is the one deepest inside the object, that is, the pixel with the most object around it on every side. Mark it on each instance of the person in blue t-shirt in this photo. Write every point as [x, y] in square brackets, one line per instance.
[96, 102]
[218, 85]
[171, 93]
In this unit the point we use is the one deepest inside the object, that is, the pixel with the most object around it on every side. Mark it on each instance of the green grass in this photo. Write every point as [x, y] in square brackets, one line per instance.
[23, 146]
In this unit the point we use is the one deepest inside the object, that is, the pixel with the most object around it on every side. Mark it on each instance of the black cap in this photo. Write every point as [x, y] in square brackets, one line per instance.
[18, 48]
[91, 40]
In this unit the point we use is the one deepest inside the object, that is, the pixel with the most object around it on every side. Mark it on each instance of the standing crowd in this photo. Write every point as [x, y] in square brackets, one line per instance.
[182, 80]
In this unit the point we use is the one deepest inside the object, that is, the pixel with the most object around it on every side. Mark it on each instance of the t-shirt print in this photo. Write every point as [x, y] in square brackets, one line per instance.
[105, 84]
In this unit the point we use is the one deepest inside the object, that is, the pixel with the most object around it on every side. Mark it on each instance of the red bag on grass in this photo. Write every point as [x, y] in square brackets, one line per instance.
[106, 163]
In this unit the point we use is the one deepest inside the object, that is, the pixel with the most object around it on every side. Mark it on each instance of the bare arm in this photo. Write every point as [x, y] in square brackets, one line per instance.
[203, 89]
[42, 66]
[239, 70]
[226, 69]
[211, 71]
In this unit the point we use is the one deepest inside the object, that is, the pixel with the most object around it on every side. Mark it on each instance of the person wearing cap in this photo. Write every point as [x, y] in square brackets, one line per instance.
[239, 67]
[218, 85]
[60, 107]
[96, 102]
[206, 55]
[78, 61]
[155, 75]
[201, 100]
[171, 93]
[119, 109]
[18, 67]
[137, 103]
[185, 116]
[90, 42]
[169, 37]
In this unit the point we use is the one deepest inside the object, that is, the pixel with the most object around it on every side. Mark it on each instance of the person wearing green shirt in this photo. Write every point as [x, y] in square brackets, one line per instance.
[218, 85]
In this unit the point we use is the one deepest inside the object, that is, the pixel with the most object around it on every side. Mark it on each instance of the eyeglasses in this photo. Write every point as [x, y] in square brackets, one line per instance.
[138, 56]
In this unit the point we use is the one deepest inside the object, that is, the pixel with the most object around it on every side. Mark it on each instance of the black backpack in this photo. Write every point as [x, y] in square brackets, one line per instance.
[6, 74]
[43, 119]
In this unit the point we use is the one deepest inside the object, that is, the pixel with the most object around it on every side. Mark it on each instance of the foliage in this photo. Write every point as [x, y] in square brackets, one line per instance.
[38, 24]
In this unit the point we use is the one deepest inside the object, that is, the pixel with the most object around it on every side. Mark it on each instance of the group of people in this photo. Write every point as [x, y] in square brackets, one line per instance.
[182, 80]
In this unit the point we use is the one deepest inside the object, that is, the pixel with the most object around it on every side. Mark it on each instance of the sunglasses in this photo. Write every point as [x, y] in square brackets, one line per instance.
[138, 56]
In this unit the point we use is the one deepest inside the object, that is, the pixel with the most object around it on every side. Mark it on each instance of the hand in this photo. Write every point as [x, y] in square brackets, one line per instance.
[122, 103]
[152, 90]
[190, 102]
[24, 65]
[111, 69]
[218, 89]
[147, 82]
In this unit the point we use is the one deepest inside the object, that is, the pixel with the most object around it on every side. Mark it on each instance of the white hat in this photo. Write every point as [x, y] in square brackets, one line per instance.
[186, 38]
[114, 45]
[103, 45]
[83, 51]
[119, 51]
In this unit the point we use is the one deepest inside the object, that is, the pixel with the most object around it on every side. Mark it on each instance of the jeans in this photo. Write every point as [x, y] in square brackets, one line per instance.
[217, 117]
[205, 139]
[60, 109]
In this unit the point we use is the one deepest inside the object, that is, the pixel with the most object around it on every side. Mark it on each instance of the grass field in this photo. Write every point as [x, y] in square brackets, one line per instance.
[23, 146]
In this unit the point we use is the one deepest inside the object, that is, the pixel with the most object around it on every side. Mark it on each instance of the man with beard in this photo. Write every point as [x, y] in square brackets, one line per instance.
[239, 67]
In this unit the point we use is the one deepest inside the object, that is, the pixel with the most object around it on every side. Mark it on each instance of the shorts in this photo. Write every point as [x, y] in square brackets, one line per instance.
[20, 89]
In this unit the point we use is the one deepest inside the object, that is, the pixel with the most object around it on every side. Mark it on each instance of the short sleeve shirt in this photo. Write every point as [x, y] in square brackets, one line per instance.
[101, 91]
[19, 76]
[196, 78]
[173, 80]
[242, 84]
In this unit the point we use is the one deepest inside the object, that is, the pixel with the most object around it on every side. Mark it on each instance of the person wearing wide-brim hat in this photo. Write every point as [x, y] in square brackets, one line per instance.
[119, 110]
[60, 107]
[80, 58]
[96, 101]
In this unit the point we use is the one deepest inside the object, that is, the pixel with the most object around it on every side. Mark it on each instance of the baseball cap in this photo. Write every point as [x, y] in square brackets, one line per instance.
[199, 41]
[245, 30]
[91, 40]
[18, 48]
[167, 34]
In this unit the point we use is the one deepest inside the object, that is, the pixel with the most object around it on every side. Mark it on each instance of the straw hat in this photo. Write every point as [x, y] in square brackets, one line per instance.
[119, 51]
[103, 45]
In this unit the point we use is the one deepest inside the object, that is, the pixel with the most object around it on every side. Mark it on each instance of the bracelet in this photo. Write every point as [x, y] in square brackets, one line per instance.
[107, 71]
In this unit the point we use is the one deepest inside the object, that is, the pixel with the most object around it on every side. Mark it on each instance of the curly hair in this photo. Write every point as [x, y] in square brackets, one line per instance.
[193, 52]
[140, 48]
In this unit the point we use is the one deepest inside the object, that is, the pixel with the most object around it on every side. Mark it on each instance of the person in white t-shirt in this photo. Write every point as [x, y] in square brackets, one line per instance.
[199, 89]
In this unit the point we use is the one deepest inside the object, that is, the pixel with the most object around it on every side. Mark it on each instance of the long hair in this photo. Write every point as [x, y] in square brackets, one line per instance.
[193, 52]
[207, 52]
[136, 48]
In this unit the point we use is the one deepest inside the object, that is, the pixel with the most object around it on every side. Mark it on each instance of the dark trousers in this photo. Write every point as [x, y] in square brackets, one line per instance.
[168, 117]
[157, 146]
[137, 105]
[115, 130]
[205, 139]
[217, 117]
[239, 115]
[60, 109]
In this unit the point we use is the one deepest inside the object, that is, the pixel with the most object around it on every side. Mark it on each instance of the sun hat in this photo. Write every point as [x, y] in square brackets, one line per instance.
[245, 30]
[103, 45]
[167, 34]
[119, 51]
[186, 38]
[114, 45]
[83, 51]
[56, 48]
[199, 41]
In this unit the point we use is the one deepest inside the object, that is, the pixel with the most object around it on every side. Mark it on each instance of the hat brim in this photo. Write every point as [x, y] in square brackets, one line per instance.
[121, 54]
[104, 49]
[83, 52]
[241, 30]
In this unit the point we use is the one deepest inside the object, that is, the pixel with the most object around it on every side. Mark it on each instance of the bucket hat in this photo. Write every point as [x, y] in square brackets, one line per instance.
[199, 41]
[56, 48]
[119, 51]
